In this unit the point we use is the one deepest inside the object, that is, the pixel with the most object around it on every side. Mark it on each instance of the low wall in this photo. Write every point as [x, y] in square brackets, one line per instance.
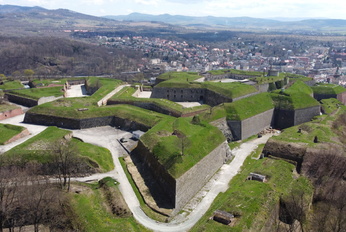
[188, 185]
[306, 114]
[21, 100]
[10, 113]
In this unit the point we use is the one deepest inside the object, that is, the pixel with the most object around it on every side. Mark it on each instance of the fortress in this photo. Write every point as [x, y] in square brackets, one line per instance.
[236, 111]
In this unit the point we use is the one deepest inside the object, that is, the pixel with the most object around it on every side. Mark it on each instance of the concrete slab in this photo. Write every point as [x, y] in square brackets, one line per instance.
[76, 91]
[189, 104]
[144, 94]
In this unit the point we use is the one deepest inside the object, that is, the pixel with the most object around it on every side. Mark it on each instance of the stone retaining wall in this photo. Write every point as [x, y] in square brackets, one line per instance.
[188, 185]
[71, 123]
[242, 129]
[21, 100]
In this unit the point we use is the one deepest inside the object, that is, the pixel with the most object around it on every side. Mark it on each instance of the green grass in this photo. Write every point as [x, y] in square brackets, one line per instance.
[323, 132]
[330, 105]
[7, 131]
[199, 141]
[249, 107]
[47, 82]
[214, 113]
[37, 93]
[105, 86]
[93, 216]
[6, 107]
[253, 200]
[38, 149]
[235, 71]
[231, 90]
[292, 100]
[11, 85]
[299, 86]
[328, 89]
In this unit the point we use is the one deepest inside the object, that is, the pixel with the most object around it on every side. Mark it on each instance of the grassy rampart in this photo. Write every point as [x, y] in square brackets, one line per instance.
[249, 107]
[37, 93]
[328, 89]
[178, 144]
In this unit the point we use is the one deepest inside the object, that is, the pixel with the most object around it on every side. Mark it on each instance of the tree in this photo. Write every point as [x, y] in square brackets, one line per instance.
[2, 77]
[29, 73]
[65, 158]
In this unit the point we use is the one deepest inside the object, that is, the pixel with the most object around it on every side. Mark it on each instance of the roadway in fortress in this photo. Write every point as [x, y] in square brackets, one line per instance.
[107, 137]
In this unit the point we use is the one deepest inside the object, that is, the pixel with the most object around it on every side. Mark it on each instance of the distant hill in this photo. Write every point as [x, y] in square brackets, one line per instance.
[320, 25]
[37, 21]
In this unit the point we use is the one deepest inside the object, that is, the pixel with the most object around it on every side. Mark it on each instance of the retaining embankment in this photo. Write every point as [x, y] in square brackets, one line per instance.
[10, 113]
[73, 123]
[22, 134]
[21, 100]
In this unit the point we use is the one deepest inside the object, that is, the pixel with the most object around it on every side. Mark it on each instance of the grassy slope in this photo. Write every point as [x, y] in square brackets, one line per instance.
[37, 93]
[93, 215]
[8, 131]
[11, 85]
[295, 97]
[232, 90]
[200, 140]
[254, 200]
[248, 107]
[37, 149]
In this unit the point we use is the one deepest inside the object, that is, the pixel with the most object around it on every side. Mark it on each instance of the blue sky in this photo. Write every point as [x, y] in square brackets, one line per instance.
[226, 8]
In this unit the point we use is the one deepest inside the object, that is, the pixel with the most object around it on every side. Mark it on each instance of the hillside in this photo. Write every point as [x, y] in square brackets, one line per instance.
[330, 25]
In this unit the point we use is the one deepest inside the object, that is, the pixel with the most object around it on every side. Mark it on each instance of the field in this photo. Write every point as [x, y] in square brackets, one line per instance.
[37, 93]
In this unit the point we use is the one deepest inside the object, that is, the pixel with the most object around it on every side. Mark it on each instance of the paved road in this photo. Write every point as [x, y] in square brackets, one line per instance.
[106, 137]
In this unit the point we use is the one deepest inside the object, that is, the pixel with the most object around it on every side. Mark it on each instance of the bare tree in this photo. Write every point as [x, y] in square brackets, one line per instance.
[65, 157]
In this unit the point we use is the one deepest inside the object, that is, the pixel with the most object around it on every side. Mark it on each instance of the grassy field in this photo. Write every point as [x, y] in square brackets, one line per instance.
[93, 215]
[38, 149]
[7, 131]
[176, 154]
[248, 107]
[37, 93]
[235, 71]
[251, 201]
[11, 85]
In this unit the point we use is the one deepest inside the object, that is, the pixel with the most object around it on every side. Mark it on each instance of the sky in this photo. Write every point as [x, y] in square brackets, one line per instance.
[221, 8]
